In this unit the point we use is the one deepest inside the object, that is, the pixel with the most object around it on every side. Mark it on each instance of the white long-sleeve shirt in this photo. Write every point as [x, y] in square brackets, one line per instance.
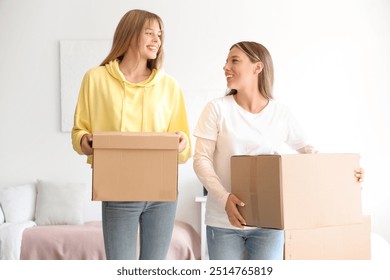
[225, 129]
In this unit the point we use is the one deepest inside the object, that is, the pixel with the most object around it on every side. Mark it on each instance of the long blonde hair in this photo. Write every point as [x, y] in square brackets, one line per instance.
[257, 52]
[128, 30]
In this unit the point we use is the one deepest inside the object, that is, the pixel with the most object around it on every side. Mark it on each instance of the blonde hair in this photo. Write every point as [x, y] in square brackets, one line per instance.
[128, 30]
[257, 52]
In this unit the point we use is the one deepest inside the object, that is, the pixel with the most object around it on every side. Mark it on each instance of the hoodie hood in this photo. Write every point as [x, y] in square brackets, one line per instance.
[113, 69]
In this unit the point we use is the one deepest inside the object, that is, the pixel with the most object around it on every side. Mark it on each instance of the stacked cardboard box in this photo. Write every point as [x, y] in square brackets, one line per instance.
[135, 166]
[315, 198]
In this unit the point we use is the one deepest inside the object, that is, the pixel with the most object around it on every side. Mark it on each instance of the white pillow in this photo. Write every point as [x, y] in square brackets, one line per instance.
[18, 203]
[60, 204]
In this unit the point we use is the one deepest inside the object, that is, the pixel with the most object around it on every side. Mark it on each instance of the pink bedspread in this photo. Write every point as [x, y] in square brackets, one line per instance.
[85, 242]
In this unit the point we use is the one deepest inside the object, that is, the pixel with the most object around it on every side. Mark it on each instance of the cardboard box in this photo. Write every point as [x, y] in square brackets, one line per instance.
[135, 166]
[344, 242]
[297, 191]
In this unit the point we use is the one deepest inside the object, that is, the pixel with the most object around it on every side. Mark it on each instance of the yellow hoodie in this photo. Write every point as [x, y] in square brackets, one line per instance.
[107, 102]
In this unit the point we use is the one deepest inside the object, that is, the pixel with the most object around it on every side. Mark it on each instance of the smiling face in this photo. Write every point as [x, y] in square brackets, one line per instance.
[240, 72]
[150, 40]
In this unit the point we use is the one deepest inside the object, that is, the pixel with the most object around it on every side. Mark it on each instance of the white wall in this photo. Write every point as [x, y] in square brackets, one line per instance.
[331, 60]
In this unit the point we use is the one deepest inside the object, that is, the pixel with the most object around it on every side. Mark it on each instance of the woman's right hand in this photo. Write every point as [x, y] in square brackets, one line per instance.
[86, 144]
[309, 149]
[182, 141]
[232, 212]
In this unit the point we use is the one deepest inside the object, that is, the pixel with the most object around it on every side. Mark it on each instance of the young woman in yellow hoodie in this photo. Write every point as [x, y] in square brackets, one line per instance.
[130, 92]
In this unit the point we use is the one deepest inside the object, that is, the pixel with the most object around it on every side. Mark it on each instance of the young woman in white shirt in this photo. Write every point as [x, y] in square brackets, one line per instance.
[247, 121]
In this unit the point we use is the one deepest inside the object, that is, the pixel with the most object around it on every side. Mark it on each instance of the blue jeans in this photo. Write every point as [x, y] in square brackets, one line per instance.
[251, 244]
[120, 229]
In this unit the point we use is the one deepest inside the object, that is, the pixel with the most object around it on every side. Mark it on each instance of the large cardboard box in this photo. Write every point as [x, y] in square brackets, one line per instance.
[343, 242]
[135, 166]
[297, 191]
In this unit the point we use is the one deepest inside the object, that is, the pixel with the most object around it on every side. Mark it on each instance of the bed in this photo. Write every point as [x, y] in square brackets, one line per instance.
[85, 242]
[45, 221]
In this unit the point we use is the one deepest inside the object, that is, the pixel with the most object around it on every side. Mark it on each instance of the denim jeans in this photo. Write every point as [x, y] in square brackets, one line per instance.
[120, 229]
[251, 244]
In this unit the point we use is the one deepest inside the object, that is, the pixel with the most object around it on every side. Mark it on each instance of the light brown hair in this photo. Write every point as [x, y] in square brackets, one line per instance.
[257, 52]
[129, 29]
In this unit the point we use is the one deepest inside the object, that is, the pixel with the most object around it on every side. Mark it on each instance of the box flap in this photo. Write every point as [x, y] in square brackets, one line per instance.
[135, 140]
[269, 184]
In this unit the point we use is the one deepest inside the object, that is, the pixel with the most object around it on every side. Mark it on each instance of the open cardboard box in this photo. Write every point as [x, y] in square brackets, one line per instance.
[297, 191]
[130, 166]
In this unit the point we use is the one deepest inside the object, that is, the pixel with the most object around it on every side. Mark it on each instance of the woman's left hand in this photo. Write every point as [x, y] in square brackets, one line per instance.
[182, 141]
[359, 174]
